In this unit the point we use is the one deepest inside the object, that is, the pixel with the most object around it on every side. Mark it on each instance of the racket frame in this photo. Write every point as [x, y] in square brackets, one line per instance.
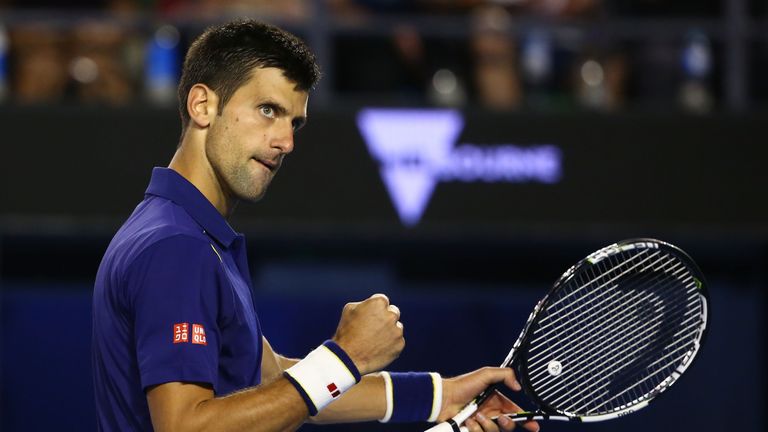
[546, 412]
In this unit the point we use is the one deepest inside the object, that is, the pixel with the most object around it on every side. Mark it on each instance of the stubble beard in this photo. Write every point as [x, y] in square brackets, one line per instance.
[234, 171]
[245, 184]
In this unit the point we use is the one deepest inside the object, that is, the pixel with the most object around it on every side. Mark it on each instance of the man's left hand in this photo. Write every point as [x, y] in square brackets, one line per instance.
[458, 391]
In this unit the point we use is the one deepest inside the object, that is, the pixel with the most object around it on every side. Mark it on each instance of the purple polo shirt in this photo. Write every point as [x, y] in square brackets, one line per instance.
[172, 302]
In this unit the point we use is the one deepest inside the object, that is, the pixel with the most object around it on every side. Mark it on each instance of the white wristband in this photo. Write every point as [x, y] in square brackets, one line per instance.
[388, 395]
[437, 396]
[323, 375]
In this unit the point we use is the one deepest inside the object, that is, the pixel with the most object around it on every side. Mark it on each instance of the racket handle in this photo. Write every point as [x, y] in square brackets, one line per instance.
[441, 427]
[457, 420]
[446, 427]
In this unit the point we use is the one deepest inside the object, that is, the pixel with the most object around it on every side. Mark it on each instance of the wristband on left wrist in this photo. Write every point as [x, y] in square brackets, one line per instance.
[412, 396]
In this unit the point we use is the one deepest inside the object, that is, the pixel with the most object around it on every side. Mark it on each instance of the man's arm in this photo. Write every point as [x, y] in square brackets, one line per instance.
[174, 400]
[275, 406]
[363, 402]
[273, 364]
[366, 401]
[370, 334]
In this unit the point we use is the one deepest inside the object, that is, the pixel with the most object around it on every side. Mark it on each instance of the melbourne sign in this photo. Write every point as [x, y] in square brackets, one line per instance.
[417, 149]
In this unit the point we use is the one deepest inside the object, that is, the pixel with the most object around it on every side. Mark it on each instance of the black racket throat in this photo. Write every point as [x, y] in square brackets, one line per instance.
[502, 389]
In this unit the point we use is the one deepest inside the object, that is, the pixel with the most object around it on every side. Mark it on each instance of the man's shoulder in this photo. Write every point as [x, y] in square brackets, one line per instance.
[155, 224]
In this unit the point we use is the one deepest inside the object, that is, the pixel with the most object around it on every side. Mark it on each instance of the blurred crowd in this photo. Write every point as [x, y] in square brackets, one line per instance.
[496, 54]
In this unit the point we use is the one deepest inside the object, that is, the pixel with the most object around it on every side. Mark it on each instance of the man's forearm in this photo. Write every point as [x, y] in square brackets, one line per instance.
[275, 406]
[365, 401]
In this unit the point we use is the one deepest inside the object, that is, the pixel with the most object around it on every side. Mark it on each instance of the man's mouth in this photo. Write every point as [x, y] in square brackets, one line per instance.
[270, 164]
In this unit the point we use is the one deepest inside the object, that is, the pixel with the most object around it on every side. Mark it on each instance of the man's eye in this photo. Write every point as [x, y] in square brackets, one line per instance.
[267, 111]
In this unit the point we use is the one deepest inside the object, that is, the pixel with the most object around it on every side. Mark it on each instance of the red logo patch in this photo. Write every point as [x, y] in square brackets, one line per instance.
[198, 335]
[334, 390]
[181, 333]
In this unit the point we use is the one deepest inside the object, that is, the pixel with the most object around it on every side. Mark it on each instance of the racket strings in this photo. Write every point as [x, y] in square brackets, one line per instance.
[583, 288]
[597, 397]
[607, 317]
[637, 391]
[627, 327]
[606, 314]
[645, 389]
[587, 362]
[576, 313]
[621, 356]
[575, 338]
[682, 344]
[600, 399]
[625, 357]
[593, 338]
[619, 375]
[681, 313]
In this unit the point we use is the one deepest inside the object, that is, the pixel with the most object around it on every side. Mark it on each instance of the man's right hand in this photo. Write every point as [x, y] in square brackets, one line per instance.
[370, 333]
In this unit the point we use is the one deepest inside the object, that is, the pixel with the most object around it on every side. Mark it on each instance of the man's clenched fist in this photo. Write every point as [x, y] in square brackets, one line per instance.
[371, 333]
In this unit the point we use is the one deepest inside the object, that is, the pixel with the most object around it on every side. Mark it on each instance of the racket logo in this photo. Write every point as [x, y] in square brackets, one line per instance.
[554, 368]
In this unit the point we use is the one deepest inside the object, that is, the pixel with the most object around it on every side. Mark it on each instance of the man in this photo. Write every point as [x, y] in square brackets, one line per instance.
[177, 343]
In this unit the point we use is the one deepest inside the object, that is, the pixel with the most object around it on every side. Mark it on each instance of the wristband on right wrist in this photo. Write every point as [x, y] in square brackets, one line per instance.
[323, 375]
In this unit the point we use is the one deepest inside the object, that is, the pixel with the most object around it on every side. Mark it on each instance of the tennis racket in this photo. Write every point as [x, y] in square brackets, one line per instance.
[615, 331]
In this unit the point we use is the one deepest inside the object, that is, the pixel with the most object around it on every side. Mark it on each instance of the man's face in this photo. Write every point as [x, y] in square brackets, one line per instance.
[247, 143]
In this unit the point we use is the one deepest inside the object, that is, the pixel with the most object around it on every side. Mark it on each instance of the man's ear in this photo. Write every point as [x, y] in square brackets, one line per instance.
[202, 104]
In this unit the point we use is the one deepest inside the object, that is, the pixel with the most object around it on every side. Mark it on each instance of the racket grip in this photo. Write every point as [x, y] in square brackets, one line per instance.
[441, 427]
[457, 420]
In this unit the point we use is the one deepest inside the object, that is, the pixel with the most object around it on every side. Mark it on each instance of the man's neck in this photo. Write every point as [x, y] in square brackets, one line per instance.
[193, 166]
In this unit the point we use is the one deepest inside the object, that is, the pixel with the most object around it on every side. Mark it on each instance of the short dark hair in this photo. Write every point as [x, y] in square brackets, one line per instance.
[224, 56]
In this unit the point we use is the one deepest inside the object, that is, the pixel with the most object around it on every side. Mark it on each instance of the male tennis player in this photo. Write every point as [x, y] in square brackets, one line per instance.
[177, 343]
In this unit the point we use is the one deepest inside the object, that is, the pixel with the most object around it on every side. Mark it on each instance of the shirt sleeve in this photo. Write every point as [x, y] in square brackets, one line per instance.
[174, 288]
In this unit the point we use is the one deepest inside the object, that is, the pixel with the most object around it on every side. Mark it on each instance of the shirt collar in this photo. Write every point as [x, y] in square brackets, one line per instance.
[169, 184]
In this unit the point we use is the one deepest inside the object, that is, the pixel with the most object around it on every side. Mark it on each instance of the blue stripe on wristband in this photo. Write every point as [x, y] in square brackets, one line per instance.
[412, 395]
[344, 357]
[310, 405]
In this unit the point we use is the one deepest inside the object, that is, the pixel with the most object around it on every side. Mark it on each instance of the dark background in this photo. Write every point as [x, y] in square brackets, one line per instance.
[662, 173]
[76, 158]
[465, 277]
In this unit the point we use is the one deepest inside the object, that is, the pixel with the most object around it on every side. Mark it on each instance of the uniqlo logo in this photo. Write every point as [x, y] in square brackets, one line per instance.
[181, 333]
[198, 335]
[334, 390]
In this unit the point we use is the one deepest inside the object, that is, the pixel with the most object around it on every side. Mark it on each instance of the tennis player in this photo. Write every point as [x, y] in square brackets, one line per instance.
[177, 344]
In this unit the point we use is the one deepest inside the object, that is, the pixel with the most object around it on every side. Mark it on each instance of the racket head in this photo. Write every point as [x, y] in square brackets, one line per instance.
[615, 331]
